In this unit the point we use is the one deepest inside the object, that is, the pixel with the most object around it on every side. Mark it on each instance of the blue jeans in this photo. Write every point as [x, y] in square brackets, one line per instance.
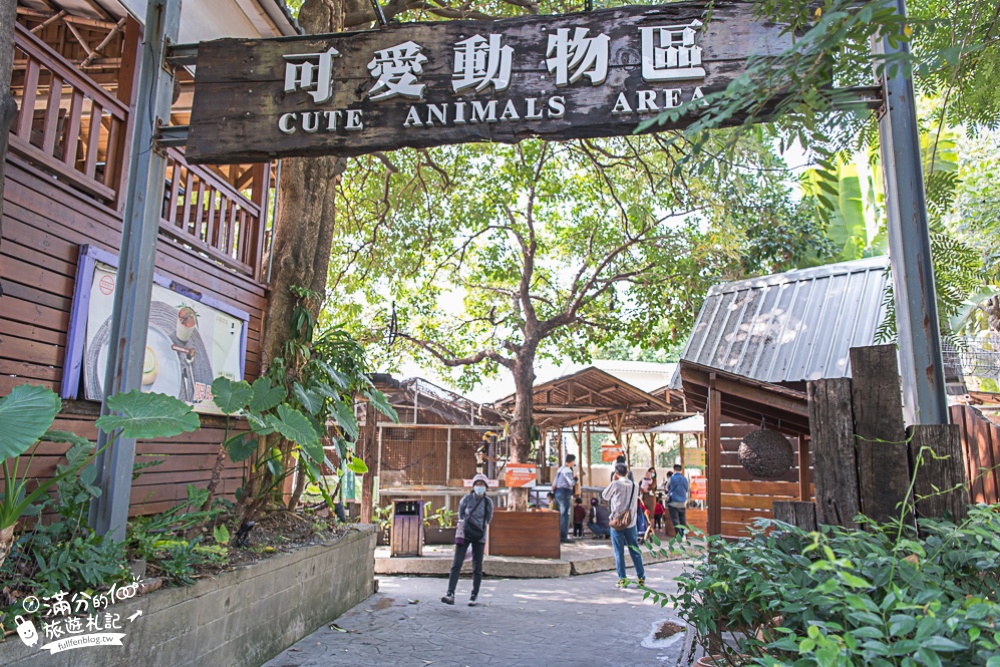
[619, 540]
[564, 497]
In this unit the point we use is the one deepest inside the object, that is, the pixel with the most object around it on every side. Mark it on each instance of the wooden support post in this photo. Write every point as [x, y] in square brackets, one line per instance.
[447, 461]
[680, 441]
[940, 485]
[883, 468]
[804, 480]
[590, 464]
[713, 454]
[796, 513]
[831, 423]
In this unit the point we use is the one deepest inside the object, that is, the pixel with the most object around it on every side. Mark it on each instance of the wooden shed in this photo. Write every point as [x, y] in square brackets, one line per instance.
[74, 78]
[755, 345]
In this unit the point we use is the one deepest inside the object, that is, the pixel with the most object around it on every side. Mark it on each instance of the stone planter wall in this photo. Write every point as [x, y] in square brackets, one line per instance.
[241, 618]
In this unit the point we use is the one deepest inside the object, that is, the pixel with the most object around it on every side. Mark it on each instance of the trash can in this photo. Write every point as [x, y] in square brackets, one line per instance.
[407, 528]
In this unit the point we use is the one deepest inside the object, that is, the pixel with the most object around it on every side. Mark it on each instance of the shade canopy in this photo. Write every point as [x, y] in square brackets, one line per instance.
[594, 396]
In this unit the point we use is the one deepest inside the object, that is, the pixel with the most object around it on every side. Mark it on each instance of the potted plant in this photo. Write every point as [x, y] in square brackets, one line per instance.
[187, 320]
[383, 519]
[439, 527]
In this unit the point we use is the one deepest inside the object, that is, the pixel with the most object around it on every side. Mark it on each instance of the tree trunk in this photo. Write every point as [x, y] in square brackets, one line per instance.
[8, 106]
[300, 254]
[520, 425]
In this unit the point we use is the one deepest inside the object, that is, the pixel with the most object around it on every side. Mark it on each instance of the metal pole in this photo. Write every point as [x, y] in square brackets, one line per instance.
[134, 286]
[924, 398]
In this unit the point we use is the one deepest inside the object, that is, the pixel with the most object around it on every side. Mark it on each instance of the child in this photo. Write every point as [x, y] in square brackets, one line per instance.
[579, 516]
[658, 512]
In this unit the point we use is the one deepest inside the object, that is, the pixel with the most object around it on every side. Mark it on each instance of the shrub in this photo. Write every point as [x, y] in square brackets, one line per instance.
[885, 596]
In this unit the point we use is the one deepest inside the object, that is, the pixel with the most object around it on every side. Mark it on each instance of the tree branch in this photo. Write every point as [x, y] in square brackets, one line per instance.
[452, 360]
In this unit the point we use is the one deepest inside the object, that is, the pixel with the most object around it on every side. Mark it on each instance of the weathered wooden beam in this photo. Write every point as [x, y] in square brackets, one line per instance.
[937, 459]
[831, 425]
[883, 460]
[713, 451]
[245, 112]
[795, 513]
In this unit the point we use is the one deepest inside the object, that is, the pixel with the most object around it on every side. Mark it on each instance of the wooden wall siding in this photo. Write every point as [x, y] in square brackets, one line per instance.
[414, 456]
[981, 442]
[45, 222]
[67, 124]
[744, 497]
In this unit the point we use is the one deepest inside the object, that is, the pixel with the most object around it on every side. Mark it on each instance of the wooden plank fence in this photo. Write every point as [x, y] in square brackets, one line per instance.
[864, 458]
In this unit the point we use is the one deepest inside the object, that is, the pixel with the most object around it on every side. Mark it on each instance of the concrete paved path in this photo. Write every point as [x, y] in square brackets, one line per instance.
[579, 621]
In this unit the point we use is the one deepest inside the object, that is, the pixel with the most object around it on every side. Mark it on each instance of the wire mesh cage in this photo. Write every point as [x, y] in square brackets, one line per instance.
[972, 357]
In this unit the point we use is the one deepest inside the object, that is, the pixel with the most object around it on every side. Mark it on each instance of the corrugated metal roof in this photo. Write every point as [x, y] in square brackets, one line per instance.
[793, 326]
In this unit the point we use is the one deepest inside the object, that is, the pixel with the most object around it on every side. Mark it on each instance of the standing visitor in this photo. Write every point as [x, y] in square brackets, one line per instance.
[658, 512]
[562, 487]
[620, 459]
[622, 496]
[648, 487]
[677, 500]
[474, 515]
[599, 520]
[579, 514]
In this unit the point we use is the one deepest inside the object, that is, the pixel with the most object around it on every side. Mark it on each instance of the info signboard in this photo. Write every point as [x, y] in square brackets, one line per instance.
[592, 74]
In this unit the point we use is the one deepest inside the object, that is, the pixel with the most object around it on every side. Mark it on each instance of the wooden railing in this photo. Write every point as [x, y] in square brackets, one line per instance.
[67, 124]
[72, 128]
[202, 210]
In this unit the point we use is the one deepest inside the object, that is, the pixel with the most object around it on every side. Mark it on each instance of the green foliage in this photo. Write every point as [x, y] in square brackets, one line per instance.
[161, 539]
[28, 411]
[442, 517]
[25, 414]
[883, 596]
[312, 385]
[488, 241]
[63, 553]
[148, 415]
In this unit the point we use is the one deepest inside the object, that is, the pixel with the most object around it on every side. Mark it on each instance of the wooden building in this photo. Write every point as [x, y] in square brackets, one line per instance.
[754, 346]
[434, 447]
[75, 82]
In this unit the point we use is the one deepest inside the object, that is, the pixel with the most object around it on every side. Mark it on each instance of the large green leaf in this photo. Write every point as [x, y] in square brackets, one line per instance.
[231, 397]
[142, 415]
[294, 426]
[309, 399]
[344, 414]
[66, 436]
[381, 404]
[25, 414]
[266, 395]
[258, 424]
[241, 447]
[357, 466]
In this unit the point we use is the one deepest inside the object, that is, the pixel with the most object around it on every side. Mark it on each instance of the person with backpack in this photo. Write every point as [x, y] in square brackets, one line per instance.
[622, 496]
[475, 512]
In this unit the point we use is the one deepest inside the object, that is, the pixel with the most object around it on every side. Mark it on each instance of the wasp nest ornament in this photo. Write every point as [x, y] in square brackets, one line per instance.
[766, 454]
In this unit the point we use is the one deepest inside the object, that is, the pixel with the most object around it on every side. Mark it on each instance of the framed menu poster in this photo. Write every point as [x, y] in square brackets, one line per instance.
[192, 338]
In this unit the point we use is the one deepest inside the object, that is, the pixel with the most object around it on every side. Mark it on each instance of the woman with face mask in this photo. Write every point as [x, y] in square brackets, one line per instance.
[474, 515]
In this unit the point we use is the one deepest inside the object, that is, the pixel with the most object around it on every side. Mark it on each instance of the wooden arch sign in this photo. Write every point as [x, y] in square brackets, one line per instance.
[582, 75]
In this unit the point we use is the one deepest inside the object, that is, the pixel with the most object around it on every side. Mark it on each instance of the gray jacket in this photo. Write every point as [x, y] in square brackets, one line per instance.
[482, 515]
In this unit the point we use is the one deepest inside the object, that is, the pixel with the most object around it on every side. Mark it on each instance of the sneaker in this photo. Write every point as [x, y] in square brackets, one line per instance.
[622, 583]
[472, 601]
[449, 598]
[642, 581]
